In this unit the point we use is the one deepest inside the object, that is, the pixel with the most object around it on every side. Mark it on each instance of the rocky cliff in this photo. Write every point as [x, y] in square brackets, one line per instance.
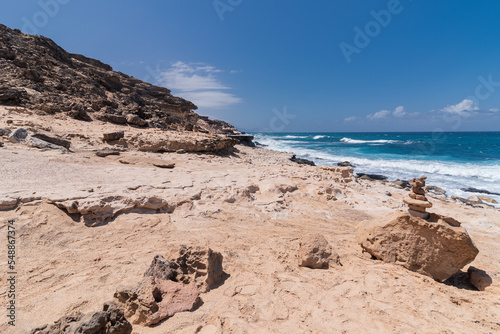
[38, 74]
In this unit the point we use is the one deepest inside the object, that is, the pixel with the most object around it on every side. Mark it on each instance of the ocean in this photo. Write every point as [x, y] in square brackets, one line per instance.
[450, 160]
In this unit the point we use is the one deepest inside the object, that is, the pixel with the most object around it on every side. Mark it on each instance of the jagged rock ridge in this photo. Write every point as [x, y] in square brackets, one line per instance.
[38, 74]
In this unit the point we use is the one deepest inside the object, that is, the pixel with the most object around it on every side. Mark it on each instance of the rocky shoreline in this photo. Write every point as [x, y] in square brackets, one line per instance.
[90, 227]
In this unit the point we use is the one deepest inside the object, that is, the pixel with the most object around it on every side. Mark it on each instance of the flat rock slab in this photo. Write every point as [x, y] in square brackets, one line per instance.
[53, 140]
[416, 202]
[164, 165]
[433, 248]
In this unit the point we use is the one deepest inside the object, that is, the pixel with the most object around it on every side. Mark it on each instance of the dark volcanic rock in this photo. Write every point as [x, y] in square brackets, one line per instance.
[301, 161]
[479, 191]
[345, 164]
[371, 177]
[244, 139]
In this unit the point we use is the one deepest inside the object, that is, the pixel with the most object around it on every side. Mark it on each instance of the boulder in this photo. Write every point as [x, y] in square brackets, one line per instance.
[479, 278]
[430, 247]
[110, 320]
[79, 114]
[135, 120]
[302, 161]
[113, 136]
[315, 252]
[154, 300]
[19, 135]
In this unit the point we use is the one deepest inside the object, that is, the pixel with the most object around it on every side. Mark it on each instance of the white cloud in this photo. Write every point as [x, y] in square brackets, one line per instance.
[211, 99]
[379, 114]
[350, 119]
[197, 82]
[399, 111]
[464, 108]
[494, 110]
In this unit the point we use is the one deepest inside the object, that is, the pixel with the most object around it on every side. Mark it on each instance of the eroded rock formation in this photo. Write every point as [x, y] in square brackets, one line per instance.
[430, 247]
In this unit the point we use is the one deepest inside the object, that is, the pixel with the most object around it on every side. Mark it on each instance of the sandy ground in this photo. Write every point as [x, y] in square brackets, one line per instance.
[66, 267]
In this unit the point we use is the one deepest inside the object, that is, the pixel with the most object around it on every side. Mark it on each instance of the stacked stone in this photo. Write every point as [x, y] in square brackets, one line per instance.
[418, 203]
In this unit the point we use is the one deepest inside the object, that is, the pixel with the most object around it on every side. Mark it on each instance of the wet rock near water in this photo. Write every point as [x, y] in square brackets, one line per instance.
[479, 191]
[371, 177]
[301, 161]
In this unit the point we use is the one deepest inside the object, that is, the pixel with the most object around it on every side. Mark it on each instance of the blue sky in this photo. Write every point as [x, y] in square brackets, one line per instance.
[294, 65]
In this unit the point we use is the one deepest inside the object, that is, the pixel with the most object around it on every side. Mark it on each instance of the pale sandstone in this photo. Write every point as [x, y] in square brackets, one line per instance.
[428, 247]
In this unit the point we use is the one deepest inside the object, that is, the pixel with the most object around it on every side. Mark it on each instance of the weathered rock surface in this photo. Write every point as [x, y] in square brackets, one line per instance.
[161, 268]
[113, 136]
[433, 248]
[95, 210]
[8, 203]
[487, 199]
[53, 140]
[346, 173]
[154, 300]
[371, 177]
[109, 321]
[207, 143]
[42, 144]
[302, 161]
[315, 252]
[197, 265]
[479, 278]
[200, 265]
[38, 74]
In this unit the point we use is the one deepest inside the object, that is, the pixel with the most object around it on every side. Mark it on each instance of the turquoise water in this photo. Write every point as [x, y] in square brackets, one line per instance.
[450, 160]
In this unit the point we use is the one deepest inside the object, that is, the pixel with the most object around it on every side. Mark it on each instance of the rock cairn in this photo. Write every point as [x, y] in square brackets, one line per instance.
[417, 203]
